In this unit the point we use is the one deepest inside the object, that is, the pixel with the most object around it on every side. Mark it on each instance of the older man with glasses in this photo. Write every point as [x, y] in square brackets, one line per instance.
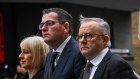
[94, 41]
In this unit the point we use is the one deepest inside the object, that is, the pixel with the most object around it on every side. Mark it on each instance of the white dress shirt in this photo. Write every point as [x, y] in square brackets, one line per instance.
[97, 60]
[60, 49]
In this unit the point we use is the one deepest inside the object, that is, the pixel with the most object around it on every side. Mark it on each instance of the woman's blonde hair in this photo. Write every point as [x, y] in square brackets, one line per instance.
[38, 48]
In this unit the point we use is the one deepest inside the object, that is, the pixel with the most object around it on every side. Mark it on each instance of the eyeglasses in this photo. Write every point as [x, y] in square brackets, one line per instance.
[48, 23]
[87, 36]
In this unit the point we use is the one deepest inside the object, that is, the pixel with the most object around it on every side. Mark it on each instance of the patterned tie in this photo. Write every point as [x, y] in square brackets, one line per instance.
[51, 68]
[87, 70]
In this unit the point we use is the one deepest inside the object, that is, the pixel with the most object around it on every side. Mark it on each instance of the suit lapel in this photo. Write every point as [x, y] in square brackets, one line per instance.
[81, 75]
[62, 60]
[48, 60]
[99, 71]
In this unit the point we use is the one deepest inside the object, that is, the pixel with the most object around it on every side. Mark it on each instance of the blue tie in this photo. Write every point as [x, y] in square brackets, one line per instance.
[51, 68]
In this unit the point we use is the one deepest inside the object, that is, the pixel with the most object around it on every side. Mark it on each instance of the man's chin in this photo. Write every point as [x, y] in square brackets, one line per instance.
[84, 52]
[46, 40]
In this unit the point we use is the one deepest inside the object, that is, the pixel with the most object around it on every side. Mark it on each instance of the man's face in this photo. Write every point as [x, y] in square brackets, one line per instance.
[90, 39]
[52, 31]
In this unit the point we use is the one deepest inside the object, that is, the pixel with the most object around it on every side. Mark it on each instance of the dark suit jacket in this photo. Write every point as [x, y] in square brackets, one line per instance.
[70, 63]
[38, 75]
[113, 67]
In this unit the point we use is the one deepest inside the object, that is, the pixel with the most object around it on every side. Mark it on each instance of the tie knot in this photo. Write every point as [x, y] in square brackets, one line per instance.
[89, 65]
[55, 54]
[87, 70]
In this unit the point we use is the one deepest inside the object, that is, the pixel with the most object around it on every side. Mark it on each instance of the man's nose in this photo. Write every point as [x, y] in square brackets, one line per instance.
[82, 39]
[44, 27]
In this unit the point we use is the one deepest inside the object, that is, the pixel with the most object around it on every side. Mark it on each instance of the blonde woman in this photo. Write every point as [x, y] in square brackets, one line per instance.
[32, 56]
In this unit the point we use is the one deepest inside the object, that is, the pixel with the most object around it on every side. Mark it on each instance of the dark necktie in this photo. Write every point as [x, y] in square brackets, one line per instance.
[51, 68]
[87, 70]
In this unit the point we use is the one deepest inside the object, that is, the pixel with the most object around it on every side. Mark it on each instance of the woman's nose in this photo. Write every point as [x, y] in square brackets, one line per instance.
[20, 55]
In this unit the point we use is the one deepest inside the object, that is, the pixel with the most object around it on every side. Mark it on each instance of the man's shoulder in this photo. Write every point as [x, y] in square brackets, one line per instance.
[117, 59]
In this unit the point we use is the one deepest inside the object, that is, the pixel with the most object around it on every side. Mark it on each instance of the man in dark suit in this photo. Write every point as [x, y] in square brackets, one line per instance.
[56, 27]
[94, 41]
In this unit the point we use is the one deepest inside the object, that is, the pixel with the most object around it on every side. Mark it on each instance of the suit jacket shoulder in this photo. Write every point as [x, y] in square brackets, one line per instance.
[70, 63]
[114, 67]
[38, 75]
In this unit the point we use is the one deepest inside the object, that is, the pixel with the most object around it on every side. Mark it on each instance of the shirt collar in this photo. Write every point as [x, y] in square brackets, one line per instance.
[61, 47]
[96, 61]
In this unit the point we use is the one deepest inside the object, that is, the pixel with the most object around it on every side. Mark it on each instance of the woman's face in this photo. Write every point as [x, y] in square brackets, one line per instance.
[25, 58]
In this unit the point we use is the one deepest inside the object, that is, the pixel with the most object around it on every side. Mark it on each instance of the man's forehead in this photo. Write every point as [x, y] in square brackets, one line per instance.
[48, 17]
[50, 14]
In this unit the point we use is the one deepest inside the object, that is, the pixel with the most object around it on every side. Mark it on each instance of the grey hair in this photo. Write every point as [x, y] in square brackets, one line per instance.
[105, 28]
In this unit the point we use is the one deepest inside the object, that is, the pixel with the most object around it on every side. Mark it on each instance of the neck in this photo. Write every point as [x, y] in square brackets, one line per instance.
[32, 72]
[57, 43]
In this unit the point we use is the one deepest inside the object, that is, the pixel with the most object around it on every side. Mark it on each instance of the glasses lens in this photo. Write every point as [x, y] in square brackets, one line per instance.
[49, 23]
[40, 25]
[80, 37]
[88, 36]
